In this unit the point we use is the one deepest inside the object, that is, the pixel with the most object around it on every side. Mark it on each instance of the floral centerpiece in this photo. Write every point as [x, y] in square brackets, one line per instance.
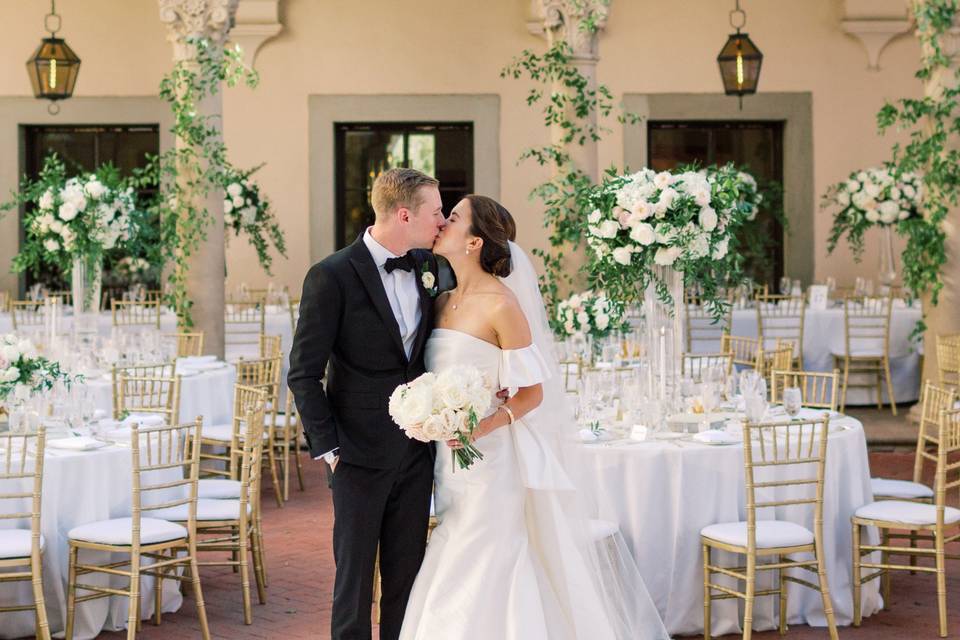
[135, 269]
[437, 407]
[684, 220]
[588, 314]
[72, 222]
[23, 372]
[246, 210]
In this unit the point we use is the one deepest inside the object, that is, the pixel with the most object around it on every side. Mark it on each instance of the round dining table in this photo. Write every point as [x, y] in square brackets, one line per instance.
[662, 492]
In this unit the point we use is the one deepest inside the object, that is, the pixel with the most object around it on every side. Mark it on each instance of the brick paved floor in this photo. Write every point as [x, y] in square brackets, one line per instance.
[300, 572]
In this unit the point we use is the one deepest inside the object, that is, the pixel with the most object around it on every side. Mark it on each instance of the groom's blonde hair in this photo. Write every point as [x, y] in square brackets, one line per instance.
[397, 188]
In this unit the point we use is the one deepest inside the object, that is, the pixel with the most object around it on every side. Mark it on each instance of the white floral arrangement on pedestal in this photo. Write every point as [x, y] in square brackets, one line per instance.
[136, 269]
[588, 314]
[246, 210]
[442, 406]
[82, 216]
[684, 220]
[872, 197]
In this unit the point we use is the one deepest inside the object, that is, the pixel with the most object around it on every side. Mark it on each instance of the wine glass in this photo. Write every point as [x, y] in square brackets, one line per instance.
[792, 401]
[785, 285]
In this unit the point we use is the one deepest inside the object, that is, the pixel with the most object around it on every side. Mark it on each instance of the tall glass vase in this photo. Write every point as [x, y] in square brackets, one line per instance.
[86, 279]
[888, 260]
[664, 333]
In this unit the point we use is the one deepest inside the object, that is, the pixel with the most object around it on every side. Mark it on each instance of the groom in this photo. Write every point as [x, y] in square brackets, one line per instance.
[365, 315]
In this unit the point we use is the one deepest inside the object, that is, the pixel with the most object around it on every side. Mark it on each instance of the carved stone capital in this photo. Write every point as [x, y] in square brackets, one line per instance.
[210, 19]
[564, 19]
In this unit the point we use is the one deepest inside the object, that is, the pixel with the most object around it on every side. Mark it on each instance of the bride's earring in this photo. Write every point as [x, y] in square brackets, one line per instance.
[468, 251]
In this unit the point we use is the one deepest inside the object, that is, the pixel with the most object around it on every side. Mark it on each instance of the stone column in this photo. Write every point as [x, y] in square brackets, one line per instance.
[212, 20]
[945, 317]
[559, 20]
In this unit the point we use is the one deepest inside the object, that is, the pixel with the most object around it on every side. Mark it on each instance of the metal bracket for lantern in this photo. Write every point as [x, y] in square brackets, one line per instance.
[53, 67]
[739, 59]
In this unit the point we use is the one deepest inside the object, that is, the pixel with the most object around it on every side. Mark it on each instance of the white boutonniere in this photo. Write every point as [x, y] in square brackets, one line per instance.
[428, 280]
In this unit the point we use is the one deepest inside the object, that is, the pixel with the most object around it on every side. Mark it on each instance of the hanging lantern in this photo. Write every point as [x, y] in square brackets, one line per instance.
[739, 59]
[53, 67]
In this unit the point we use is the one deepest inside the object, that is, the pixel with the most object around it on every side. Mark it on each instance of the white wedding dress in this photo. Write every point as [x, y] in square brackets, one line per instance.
[511, 559]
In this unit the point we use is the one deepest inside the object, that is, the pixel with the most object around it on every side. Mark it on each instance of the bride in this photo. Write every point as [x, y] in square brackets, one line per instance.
[513, 556]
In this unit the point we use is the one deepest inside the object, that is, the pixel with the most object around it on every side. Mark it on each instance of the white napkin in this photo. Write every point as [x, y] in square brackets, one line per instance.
[193, 360]
[208, 366]
[184, 372]
[81, 443]
[143, 419]
[639, 432]
[586, 435]
[714, 436]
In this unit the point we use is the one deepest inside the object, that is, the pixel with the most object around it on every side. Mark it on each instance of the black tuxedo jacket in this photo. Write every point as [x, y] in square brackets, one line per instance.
[346, 323]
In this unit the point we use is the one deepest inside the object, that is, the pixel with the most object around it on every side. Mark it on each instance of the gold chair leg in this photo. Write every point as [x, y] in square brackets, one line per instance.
[376, 588]
[846, 380]
[274, 477]
[158, 593]
[71, 593]
[825, 593]
[782, 598]
[913, 556]
[857, 583]
[706, 591]
[285, 464]
[133, 606]
[198, 593]
[750, 590]
[885, 577]
[941, 583]
[890, 394]
[258, 567]
[244, 554]
[43, 626]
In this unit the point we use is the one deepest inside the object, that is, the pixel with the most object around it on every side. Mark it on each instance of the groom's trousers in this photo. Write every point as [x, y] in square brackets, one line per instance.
[385, 507]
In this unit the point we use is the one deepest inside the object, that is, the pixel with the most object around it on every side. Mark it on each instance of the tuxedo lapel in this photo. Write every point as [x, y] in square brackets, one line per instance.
[426, 304]
[369, 274]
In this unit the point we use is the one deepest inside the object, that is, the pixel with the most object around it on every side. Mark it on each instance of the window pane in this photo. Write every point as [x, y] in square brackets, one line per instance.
[358, 214]
[423, 155]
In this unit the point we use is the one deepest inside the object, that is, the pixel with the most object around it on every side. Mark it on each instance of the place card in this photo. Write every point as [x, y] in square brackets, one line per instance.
[818, 296]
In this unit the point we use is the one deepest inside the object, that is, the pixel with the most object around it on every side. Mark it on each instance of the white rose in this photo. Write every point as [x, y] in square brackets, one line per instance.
[872, 215]
[95, 188]
[68, 211]
[903, 215]
[667, 197]
[609, 229]
[702, 196]
[411, 404]
[569, 327]
[622, 255]
[602, 321]
[666, 256]
[641, 211]
[895, 193]
[853, 186]
[700, 246]
[451, 389]
[643, 234]
[46, 200]
[51, 245]
[721, 249]
[889, 218]
[441, 426]
[26, 348]
[663, 180]
[238, 201]
[248, 215]
[594, 216]
[234, 189]
[708, 218]
[665, 233]
[56, 226]
[861, 175]
[428, 280]
[583, 318]
[575, 301]
[11, 374]
[909, 191]
[843, 198]
[10, 352]
[227, 206]
[872, 190]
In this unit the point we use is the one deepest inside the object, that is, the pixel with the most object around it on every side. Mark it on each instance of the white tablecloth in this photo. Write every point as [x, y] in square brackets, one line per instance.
[823, 334]
[78, 488]
[663, 494]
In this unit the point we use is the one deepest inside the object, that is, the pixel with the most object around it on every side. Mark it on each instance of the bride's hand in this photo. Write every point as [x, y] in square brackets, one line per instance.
[483, 428]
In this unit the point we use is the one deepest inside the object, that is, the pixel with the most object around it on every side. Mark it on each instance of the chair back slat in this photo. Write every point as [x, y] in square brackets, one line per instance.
[695, 364]
[866, 324]
[271, 346]
[744, 349]
[934, 400]
[702, 327]
[948, 360]
[157, 450]
[781, 316]
[189, 343]
[22, 464]
[244, 322]
[817, 389]
[125, 313]
[26, 313]
[147, 389]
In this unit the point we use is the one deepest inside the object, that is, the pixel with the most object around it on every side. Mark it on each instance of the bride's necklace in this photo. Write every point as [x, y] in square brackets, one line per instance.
[456, 305]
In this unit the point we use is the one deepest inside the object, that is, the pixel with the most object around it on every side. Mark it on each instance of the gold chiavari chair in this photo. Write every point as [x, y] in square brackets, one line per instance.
[141, 313]
[778, 456]
[270, 346]
[744, 350]
[26, 314]
[234, 524]
[948, 360]
[286, 423]
[702, 328]
[4, 301]
[21, 552]
[244, 323]
[153, 295]
[156, 453]
[694, 364]
[153, 389]
[779, 358]
[66, 297]
[818, 390]
[928, 522]
[188, 343]
[294, 305]
[866, 352]
[781, 318]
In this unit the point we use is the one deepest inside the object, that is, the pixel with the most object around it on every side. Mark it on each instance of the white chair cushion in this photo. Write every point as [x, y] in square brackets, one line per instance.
[902, 489]
[215, 489]
[15, 543]
[602, 529]
[770, 533]
[861, 351]
[906, 512]
[207, 510]
[222, 432]
[119, 531]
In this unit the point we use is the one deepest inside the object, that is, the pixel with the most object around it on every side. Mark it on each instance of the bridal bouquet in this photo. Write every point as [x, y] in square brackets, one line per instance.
[588, 313]
[246, 210]
[442, 406]
[875, 196]
[22, 371]
[641, 223]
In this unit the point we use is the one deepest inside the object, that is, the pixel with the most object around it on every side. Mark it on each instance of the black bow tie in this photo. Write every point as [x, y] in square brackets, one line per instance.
[405, 263]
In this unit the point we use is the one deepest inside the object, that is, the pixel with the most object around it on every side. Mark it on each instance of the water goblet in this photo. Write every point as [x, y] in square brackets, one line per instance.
[792, 401]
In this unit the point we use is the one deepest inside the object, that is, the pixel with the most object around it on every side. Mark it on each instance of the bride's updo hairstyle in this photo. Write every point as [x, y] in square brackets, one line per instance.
[492, 223]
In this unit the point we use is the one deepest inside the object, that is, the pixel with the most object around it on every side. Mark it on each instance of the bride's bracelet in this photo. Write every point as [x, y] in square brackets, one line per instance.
[509, 413]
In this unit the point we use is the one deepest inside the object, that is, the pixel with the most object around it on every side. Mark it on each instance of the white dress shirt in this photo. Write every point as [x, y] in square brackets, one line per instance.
[401, 289]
